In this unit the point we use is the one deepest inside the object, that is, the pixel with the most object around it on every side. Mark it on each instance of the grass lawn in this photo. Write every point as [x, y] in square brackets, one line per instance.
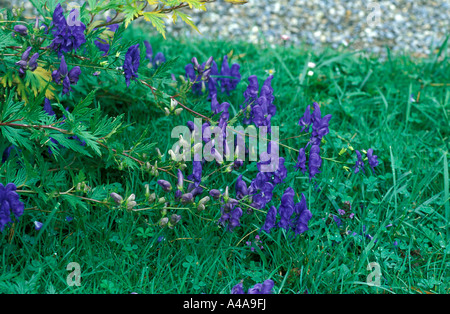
[399, 107]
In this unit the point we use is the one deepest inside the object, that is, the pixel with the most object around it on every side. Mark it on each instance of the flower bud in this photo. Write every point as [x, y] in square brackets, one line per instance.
[130, 202]
[174, 219]
[159, 153]
[166, 111]
[117, 198]
[215, 193]
[163, 222]
[204, 200]
[152, 198]
[180, 181]
[187, 198]
[208, 63]
[21, 29]
[226, 195]
[161, 200]
[166, 186]
[172, 155]
[178, 111]
[173, 104]
[195, 62]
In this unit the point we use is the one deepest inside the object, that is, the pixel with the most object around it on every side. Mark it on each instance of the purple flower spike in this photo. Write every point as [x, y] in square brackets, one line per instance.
[67, 78]
[131, 63]
[9, 201]
[241, 188]
[359, 165]
[305, 121]
[314, 161]
[373, 162]
[27, 63]
[235, 215]
[301, 161]
[286, 208]
[270, 219]
[303, 215]
[66, 37]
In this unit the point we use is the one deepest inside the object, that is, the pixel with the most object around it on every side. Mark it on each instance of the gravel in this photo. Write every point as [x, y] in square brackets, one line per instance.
[415, 26]
[418, 27]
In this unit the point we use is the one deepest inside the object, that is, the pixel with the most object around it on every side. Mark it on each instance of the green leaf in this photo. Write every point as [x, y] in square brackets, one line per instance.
[157, 21]
[17, 137]
[186, 18]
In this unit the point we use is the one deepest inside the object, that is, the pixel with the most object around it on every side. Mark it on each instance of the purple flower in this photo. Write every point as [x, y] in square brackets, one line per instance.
[215, 193]
[102, 45]
[341, 212]
[187, 198]
[263, 109]
[9, 200]
[241, 188]
[305, 121]
[66, 38]
[301, 160]
[235, 215]
[259, 288]
[314, 161]
[373, 162]
[267, 286]
[359, 165]
[38, 225]
[131, 63]
[270, 219]
[303, 215]
[174, 219]
[6, 153]
[261, 190]
[262, 288]
[166, 186]
[159, 58]
[180, 181]
[148, 50]
[197, 172]
[27, 63]
[238, 289]
[21, 29]
[200, 76]
[286, 208]
[337, 220]
[226, 83]
[251, 93]
[67, 78]
[319, 125]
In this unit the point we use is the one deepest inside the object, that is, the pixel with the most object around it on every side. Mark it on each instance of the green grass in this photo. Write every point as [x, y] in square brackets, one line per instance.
[371, 107]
